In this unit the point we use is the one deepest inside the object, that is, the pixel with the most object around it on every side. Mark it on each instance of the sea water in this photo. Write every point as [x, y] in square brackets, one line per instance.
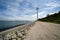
[4, 25]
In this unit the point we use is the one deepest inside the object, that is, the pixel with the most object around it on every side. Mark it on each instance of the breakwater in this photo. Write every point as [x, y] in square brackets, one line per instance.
[17, 33]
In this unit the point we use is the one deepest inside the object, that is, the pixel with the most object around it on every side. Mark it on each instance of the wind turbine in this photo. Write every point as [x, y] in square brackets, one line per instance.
[37, 12]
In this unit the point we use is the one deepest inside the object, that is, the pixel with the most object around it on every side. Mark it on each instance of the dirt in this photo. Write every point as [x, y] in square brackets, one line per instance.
[44, 31]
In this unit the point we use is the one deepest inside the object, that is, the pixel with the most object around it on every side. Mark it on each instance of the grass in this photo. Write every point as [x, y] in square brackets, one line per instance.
[54, 18]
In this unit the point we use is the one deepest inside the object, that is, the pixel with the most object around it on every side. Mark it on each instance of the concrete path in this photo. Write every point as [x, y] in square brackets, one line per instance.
[44, 31]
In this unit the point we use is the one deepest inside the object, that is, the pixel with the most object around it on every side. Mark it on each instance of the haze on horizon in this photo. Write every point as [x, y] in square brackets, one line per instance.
[26, 9]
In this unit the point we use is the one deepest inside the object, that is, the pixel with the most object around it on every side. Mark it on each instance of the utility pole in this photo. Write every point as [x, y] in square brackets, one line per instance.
[37, 12]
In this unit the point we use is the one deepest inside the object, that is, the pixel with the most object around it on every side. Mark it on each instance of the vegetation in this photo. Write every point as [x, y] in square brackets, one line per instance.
[55, 18]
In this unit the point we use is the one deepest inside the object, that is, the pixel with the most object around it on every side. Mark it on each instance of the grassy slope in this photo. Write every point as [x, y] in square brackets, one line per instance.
[55, 18]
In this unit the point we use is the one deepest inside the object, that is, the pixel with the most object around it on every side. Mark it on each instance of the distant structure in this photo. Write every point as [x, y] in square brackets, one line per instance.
[37, 12]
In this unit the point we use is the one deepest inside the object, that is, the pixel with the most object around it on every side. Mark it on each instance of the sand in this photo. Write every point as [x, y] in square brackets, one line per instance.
[44, 31]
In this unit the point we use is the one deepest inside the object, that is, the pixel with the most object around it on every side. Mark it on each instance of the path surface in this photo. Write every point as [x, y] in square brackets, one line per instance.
[44, 31]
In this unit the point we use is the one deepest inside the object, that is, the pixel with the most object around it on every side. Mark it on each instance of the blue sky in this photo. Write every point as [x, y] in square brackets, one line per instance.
[26, 9]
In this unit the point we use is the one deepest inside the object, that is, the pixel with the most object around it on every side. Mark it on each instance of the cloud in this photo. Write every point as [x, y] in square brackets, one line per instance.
[26, 9]
[52, 5]
[26, 17]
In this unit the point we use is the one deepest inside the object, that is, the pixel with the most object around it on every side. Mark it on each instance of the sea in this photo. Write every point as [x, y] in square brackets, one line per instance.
[4, 25]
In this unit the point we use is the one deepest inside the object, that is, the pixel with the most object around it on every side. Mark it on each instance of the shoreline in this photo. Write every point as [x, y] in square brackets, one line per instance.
[3, 29]
[5, 25]
[18, 32]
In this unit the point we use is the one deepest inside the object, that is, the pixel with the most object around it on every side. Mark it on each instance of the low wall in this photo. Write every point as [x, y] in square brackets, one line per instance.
[17, 33]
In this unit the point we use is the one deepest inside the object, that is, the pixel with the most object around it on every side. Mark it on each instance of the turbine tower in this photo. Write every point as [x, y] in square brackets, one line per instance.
[37, 12]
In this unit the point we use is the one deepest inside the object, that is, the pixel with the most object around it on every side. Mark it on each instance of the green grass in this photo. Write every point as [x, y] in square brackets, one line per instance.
[54, 18]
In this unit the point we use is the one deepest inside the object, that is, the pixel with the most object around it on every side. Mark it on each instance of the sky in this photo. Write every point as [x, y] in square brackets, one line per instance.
[26, 9]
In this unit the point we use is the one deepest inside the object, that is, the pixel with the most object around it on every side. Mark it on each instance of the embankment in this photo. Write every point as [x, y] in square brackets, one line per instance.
[17, 33]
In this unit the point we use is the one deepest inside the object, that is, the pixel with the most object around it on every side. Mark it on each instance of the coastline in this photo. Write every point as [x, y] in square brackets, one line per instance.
[33, 31]
[4, 25]
[19, 32]
[11, 27]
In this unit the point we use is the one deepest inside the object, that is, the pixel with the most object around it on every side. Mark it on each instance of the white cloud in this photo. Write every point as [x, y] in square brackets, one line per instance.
[26, 17]
[13, 9]
[52, 5]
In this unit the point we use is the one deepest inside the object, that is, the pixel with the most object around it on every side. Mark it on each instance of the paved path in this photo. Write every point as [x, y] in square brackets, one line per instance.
[44, 31]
